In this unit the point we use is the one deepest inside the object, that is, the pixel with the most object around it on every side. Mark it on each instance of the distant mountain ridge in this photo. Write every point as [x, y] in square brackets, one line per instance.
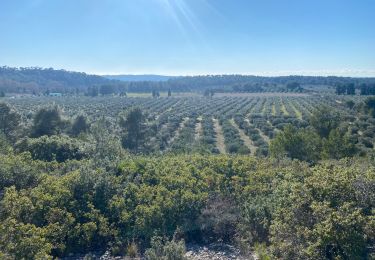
[144, 77]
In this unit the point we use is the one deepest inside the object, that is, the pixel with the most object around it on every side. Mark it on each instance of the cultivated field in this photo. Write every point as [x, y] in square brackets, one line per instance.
[242, 124]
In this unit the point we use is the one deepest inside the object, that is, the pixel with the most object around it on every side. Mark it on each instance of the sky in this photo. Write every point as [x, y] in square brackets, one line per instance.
[191, 37]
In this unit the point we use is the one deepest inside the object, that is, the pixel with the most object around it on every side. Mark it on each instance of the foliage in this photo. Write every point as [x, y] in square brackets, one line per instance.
[337, 146]
[80, 125]
[47, 121]
[92, 91]
[219, 219]
[165, 250]
[323, 212]
[29, 80]
[5, 147]
[303, 145]
[294, 86]
[107, 148]
[134, 130]
[19, 171]
[260, 118]
[9, 120]
[296, 210]
[348, 89]
[325, 218]
[23, 241]
[107, 89]
[62, 195]
[324, 120]
[370, 106]
[50, 148]
[38, 80]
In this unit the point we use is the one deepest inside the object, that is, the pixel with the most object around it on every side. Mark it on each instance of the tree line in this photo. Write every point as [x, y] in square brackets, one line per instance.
[38, 80]
[350, 89]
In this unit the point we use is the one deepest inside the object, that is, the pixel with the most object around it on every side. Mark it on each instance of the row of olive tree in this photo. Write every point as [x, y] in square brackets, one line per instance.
[322, 139]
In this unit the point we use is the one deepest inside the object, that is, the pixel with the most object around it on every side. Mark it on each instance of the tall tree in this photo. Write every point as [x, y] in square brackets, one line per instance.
[134, 126]
[9, 120]
[47, 121]
[155, 93]
[80, 125]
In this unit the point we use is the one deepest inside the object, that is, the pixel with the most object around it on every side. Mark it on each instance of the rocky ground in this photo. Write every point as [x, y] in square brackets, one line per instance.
[193, 252]
[215, 252]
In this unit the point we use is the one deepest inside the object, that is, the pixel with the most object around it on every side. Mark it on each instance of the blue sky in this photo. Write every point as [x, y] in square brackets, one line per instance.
[189, 37]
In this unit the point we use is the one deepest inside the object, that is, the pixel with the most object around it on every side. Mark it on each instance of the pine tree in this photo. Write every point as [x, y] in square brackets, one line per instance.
[134, 126]
[47, 121]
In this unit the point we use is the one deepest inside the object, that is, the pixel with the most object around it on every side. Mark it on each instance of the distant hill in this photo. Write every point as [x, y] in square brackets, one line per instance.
[245, 83]
[146, 77]
[38, 79]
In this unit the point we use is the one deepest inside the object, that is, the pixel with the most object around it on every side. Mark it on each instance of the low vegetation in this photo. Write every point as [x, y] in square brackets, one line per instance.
[132, 177]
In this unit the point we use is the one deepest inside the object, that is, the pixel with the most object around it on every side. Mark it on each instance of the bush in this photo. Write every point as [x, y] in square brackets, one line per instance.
[367, 142]
[233, 148]
[162, 249]
[299, 211]
[23, 241]
[59, 148]
[19, 171]
[47, 121]
[218, 219]
[303, 144]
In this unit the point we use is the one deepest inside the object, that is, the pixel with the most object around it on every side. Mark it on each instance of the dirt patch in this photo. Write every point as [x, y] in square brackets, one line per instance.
[245, 138]
[177, 133]
[298, 113]
[219, 137]
[265, 137]
[198, 129]
[283, 108]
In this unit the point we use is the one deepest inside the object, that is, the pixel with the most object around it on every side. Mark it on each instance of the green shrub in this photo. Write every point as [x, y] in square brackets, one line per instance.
[162, 249]
[59, 148]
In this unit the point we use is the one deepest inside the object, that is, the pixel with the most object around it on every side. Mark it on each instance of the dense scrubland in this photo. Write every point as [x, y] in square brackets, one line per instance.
[287, 177]
[284, 209]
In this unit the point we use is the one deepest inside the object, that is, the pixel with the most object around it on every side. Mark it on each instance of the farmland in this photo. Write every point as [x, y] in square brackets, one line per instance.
[232, 124]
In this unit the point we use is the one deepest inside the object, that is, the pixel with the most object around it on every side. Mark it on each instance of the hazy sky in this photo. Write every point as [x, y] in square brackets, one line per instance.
[184, 37]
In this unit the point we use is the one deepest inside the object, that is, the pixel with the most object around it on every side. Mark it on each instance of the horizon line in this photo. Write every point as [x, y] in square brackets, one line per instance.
[357, 73]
